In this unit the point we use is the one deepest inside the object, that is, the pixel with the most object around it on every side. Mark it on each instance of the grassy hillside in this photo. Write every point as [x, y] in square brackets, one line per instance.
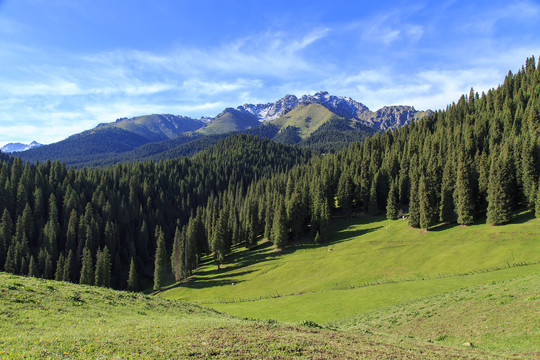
[500, 315]
[369, 266]
[228, 121]
[306, 118]
[55, 320]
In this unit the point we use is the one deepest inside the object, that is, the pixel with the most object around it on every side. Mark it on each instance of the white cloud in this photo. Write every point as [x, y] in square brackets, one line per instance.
[196, 86]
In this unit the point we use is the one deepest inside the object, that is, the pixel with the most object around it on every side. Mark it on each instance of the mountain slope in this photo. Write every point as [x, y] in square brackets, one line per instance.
[157, 127]
[87, 145]
[228, 121]
[306, 118]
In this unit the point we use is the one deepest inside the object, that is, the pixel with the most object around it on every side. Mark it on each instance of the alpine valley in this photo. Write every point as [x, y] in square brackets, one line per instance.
[307, 228]
[320, 122]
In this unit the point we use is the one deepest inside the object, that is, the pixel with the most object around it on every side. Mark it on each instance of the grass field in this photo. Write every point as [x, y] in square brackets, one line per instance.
[43, 319]
[363, 255]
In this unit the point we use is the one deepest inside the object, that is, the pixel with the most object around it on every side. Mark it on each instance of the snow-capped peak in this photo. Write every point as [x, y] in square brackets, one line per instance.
[342, 106]
[16, 147]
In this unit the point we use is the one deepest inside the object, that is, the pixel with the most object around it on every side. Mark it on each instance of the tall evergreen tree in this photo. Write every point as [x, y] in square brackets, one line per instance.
[427, 208]
[69, 264]
[463, 195]
[447, 213]
[59, 273]
[279, 233]
[87, 269]
[537, 205]
[177, 257]
[373, 206]
[6, 232]
[32, 267]
[132, 283]
[414, 204]
[498, 211]
[160, 260]
[345, 193]
[103, 268]
[392, 203]
[219, 235]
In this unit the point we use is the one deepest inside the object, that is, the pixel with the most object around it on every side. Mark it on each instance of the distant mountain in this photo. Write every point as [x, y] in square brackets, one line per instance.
[157, 127]
[230, 120]
[385, 118]
[110, 139]
[15, 147]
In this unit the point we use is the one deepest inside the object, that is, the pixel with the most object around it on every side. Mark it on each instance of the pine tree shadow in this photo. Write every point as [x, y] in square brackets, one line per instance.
[522, 217]
[443, 226]
[205, 283]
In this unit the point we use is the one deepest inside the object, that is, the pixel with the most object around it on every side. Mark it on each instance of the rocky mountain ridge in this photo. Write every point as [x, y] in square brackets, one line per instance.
[17, 147]
[382, 119]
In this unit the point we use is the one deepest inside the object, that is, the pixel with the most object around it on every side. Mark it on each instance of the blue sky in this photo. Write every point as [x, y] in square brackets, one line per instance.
[66, 66]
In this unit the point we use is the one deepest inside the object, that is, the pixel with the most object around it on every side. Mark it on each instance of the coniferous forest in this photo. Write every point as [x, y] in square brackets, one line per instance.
[128, 225]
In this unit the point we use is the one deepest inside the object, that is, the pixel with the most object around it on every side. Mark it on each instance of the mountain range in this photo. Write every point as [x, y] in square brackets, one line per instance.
[322, 122]
[16, 147]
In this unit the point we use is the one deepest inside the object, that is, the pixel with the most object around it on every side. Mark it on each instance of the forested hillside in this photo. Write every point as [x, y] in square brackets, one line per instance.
[90, 225]
[478, 160]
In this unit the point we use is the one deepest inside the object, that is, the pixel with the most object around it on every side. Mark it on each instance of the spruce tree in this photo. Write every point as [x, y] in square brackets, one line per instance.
[427, 209]
[103, 268]
[177, 257]
[345, 193]
[48, 272]
[392, 204]
[59, 273]
[71, 233]
[6, 232]
[279, 233]
[190, 246]
[160, 260]
[463, 194]
[132, 283]
[219, 234]
[373, 206]
[10, 264]
[414, 204]
[447, 213]
[68, 267]
[87, 269]
[32, 267]
[498, 211]
[537, 206]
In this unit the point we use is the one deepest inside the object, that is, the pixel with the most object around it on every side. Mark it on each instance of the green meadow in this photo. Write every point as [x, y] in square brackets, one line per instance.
[45, 319]
[366, 266]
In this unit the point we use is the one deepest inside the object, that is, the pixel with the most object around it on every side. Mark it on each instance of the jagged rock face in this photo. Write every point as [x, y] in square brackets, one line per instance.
[382, 119]
[271, 111]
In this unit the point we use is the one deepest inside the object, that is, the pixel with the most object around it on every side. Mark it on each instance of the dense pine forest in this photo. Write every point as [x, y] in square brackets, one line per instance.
[476, 161]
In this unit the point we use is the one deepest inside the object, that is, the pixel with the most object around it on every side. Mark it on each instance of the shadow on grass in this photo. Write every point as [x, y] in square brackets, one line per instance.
[518, 218]
[265, 252]
[522, 217]
[195, 283]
